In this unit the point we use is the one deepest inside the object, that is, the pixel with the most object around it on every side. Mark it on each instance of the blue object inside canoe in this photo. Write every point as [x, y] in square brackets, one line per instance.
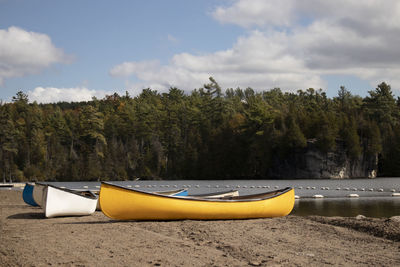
[27, 195]
[182, 193]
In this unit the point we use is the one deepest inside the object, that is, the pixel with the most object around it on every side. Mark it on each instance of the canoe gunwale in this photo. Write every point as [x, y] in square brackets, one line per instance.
[244, 198]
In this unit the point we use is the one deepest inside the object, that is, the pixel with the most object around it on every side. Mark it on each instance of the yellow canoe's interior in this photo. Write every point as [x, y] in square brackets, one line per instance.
[252, 197]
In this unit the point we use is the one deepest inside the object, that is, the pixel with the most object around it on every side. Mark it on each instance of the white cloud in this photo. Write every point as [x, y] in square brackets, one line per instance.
[129, 68]
[23, 53]
[260, 61]
[172, 39]
[257, 13]
[289, 44]
[266, 13]
[53, 95]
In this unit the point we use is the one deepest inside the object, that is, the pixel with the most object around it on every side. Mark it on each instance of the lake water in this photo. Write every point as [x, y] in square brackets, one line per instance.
[368, 206]
[374, 195]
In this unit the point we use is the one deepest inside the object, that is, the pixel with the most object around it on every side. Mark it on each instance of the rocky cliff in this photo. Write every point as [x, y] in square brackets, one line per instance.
[312, 163]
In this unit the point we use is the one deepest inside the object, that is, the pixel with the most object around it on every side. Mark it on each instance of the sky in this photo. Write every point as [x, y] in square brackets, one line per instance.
[74, 50]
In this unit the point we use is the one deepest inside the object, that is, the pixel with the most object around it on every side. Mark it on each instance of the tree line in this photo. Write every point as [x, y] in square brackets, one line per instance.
[205, 134]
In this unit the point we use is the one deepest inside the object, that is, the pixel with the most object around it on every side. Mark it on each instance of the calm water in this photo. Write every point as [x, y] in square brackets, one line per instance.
[367, 206]
[375, 195]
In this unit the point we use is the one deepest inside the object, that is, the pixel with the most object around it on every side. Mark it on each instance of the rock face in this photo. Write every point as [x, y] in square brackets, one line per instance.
[312, 163]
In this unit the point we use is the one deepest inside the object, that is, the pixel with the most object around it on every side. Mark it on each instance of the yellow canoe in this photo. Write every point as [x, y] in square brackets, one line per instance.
[129, 204]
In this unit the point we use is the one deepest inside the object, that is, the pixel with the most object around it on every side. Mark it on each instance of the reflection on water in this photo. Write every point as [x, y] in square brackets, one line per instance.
[370, 207]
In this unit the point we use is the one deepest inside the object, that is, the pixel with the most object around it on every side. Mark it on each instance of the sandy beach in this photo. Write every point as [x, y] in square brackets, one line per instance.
[27, 238]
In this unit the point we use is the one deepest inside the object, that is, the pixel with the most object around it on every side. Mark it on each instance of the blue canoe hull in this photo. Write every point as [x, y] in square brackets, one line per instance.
[27, 195]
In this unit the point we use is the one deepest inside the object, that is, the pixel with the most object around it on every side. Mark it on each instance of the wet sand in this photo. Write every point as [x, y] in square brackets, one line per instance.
[29, 239]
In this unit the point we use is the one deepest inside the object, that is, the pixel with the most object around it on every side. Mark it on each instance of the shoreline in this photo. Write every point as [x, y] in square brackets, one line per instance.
[27, 238]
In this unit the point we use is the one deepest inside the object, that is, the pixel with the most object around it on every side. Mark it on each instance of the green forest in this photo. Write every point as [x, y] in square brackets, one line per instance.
[205, 134]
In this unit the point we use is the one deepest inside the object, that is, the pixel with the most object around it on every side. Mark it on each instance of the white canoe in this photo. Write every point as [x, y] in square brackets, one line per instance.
[65, 202]
[38, 190]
